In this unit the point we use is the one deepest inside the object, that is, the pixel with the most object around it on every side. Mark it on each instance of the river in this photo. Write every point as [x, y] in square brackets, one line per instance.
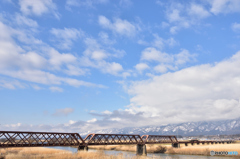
[162, 155]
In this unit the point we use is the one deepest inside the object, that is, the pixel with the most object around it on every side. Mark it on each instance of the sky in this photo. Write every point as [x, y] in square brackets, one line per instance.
[87, 65]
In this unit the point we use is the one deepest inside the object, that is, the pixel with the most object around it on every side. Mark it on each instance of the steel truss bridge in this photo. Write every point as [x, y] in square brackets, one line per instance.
[40, 139]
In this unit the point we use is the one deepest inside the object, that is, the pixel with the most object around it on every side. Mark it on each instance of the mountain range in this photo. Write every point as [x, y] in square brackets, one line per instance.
[222, 127]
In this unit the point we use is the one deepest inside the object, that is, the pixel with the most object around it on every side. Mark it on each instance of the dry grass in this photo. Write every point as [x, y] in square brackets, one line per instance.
[42, 153]
[204, 149]
[184, 150]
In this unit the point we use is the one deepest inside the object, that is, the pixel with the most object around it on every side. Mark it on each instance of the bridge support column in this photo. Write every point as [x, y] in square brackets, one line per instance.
[82, 148]
[176, 145]
[186, 144]
[141, 150]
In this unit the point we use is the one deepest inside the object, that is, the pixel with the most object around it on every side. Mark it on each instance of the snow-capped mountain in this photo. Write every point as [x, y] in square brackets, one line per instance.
[186, 129]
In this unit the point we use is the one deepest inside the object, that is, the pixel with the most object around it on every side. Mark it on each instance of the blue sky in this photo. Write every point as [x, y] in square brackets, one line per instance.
[84, 65]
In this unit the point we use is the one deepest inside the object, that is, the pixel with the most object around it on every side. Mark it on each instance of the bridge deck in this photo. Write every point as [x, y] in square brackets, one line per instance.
[39, 139]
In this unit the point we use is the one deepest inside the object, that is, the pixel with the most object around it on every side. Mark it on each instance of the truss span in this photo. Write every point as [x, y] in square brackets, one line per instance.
[113, 139]
[37, 139]
[154, 139]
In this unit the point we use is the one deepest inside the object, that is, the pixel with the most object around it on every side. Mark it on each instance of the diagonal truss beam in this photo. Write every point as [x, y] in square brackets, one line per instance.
[36, 139]
[155, 139]
[112, 139]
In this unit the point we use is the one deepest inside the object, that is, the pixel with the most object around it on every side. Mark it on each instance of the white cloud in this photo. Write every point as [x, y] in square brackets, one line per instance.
[86, 3]
[105, 38]
[236, 27]
[184, 16]
[75, 71]
[199, 11]
[92, 120]
[166, 61]
[11, 84]
[162, 68]
[63, 112]
[66, 36]
[36, 87]
[224, 6]
[22, 20]
[152, 54]
[111, 68]
[208, 92]
[141, 67]
[57, 59]
[107, 112]
[183, 57]
[37, 7]
[119, 26]
[95, 56]
[56, 89]
[160, 43]
[33, 67]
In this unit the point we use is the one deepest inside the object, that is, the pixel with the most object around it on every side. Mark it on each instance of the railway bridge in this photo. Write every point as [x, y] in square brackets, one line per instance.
[42, 139]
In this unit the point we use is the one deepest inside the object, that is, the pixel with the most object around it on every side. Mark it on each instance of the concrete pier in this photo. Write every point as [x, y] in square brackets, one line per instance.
[176, 145]
[82, 148]
[141, 150]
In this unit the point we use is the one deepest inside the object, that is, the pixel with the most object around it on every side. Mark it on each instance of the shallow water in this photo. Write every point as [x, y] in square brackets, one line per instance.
[161, 155]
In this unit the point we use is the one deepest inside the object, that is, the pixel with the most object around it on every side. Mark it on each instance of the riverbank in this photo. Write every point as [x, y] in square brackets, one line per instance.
[50, 153]
[183, 150]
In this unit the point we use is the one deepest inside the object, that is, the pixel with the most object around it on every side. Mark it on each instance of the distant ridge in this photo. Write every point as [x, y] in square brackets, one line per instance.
[227, 127]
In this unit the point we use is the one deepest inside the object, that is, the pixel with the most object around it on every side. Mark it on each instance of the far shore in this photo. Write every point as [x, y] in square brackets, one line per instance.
[41, 152]
[183, 150]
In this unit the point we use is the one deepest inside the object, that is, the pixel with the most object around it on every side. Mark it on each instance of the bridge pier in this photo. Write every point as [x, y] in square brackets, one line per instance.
[186, 144]
[82, 148]
[141, 150]
[176, 145]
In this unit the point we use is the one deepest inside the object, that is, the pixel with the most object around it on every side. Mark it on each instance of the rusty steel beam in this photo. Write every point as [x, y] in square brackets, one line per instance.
[155, 139]
[113, 139]
[38, 139]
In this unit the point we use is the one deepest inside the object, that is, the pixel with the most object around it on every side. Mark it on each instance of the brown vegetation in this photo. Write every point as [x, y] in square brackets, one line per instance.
[42, 153]
[183, 150]
[203, 149]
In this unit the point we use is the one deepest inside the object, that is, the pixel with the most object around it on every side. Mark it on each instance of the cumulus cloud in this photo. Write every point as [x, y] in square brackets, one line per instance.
[96, 56]
[36, 66]
[37, 7]
[119, 26]
[141, 67]
[184, 16]
[167, 61]
[66, 36]
[224, 6]
[63, 112]
[208, 92]
[197, 10]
